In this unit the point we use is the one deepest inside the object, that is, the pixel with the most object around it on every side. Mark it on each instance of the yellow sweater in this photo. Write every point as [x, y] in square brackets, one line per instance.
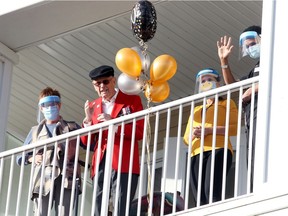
[221, 119]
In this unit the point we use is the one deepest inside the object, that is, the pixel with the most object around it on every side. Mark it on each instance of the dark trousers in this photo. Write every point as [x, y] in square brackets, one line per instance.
[59, 210]
[206, 174]
[253, 131]
[122, 200]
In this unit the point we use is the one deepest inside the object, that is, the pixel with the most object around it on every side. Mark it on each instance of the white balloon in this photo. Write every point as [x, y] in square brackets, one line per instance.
[145, 58]
[129, 85]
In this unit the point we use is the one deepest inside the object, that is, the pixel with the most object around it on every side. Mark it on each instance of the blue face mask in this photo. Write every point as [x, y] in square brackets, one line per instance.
[254, 51]
[51, 112]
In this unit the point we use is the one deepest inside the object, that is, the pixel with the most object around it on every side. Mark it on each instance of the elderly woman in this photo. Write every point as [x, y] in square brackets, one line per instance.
[206, 80]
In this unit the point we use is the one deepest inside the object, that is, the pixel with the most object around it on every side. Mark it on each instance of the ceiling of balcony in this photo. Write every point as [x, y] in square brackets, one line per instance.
[59, 42]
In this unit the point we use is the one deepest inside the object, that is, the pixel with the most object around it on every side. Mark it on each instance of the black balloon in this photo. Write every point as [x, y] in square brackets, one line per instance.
[144, 20]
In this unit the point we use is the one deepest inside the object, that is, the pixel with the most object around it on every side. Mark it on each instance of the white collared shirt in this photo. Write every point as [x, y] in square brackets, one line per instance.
[107, 106]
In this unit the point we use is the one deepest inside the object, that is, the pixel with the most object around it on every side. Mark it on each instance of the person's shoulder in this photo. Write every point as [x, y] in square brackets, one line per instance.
[72, 125]
[224, 101]
[122, 94]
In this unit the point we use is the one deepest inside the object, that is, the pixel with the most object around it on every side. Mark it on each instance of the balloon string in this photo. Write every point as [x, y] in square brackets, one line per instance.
[144, 47]
[148, 135]
[148, 157]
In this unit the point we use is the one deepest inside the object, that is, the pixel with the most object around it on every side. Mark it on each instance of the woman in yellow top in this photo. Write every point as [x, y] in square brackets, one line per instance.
[208, 79]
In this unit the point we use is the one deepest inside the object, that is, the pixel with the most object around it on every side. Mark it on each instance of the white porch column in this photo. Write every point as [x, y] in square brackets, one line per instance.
[7, 59]
[272, 141]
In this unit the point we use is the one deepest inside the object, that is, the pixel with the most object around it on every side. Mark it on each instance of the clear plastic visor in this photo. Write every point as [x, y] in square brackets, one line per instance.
[246, 40]
[205, 82]
[46, 102]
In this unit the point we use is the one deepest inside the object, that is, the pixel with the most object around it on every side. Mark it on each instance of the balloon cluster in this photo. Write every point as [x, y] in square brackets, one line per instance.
[134, 62]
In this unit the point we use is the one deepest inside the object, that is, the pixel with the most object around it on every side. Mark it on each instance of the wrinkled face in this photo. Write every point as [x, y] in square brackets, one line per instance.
[105, 87]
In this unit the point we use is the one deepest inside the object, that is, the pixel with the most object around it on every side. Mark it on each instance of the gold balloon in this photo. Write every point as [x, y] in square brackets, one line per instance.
[128, 61]
[163, 68]
[157, 92]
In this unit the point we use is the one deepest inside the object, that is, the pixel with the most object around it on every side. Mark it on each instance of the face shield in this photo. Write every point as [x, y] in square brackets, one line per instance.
[249, 44]
[206, 80]
[48, 108]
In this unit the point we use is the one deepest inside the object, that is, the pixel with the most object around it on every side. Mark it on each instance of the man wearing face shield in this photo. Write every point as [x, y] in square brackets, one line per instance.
[206, 80]
[249, 44]
[51, 124]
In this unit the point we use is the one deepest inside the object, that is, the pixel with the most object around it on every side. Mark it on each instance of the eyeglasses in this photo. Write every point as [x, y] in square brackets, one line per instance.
[98, 83]
[48, 104]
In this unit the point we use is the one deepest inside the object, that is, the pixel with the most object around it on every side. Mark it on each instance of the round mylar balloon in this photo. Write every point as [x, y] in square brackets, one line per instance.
[145, 58]
[157, 92]
[163, 68]
[128, 61]
[144, 20]
[129, 85]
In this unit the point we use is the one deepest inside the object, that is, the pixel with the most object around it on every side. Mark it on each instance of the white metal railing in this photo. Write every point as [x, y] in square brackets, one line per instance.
[159, 127]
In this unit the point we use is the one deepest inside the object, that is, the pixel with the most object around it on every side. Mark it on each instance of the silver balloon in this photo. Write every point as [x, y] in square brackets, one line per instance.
[145, 58]
[129, 85]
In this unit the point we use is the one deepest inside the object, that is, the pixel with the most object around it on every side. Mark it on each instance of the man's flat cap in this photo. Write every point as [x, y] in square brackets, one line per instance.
[102, 71]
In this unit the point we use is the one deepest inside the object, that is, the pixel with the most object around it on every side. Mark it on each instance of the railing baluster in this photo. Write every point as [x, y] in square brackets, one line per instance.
[119, 171]
[85, 174]
[142, 164]
[166, 146]
[1, 173]
[20, 185]
[237, 160]
[151, 192]
[130, 167]
[75, 182]
[10, 185]
[213, 148]
[226, 144]
[188, 170]
[251, 148]
[201, 153]
[179, 136]
[108, 169]
[95, 180]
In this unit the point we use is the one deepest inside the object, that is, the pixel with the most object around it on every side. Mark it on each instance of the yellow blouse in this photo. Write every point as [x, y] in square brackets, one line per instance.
[221, 119]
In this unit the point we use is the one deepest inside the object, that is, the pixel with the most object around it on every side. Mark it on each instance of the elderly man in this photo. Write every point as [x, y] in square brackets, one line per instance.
[112, 103]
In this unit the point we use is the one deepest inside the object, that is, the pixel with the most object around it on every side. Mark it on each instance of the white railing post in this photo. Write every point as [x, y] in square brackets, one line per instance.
[271, 141]
[264, 95]
[108, 169]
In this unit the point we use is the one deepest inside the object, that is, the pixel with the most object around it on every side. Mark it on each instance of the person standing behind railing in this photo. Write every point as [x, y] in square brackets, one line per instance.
[52, 124]
[249, 44]
[208, 79]
[112, 103]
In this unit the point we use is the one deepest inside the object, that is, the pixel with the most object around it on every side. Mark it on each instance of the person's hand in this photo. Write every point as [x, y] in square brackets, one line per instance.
[88, 111]
[103, 117]
[197, 131]
[224, 47]
[246, 97]
[38, 159]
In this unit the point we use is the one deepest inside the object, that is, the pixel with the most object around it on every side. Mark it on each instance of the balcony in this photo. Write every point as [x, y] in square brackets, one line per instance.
[164, 164]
